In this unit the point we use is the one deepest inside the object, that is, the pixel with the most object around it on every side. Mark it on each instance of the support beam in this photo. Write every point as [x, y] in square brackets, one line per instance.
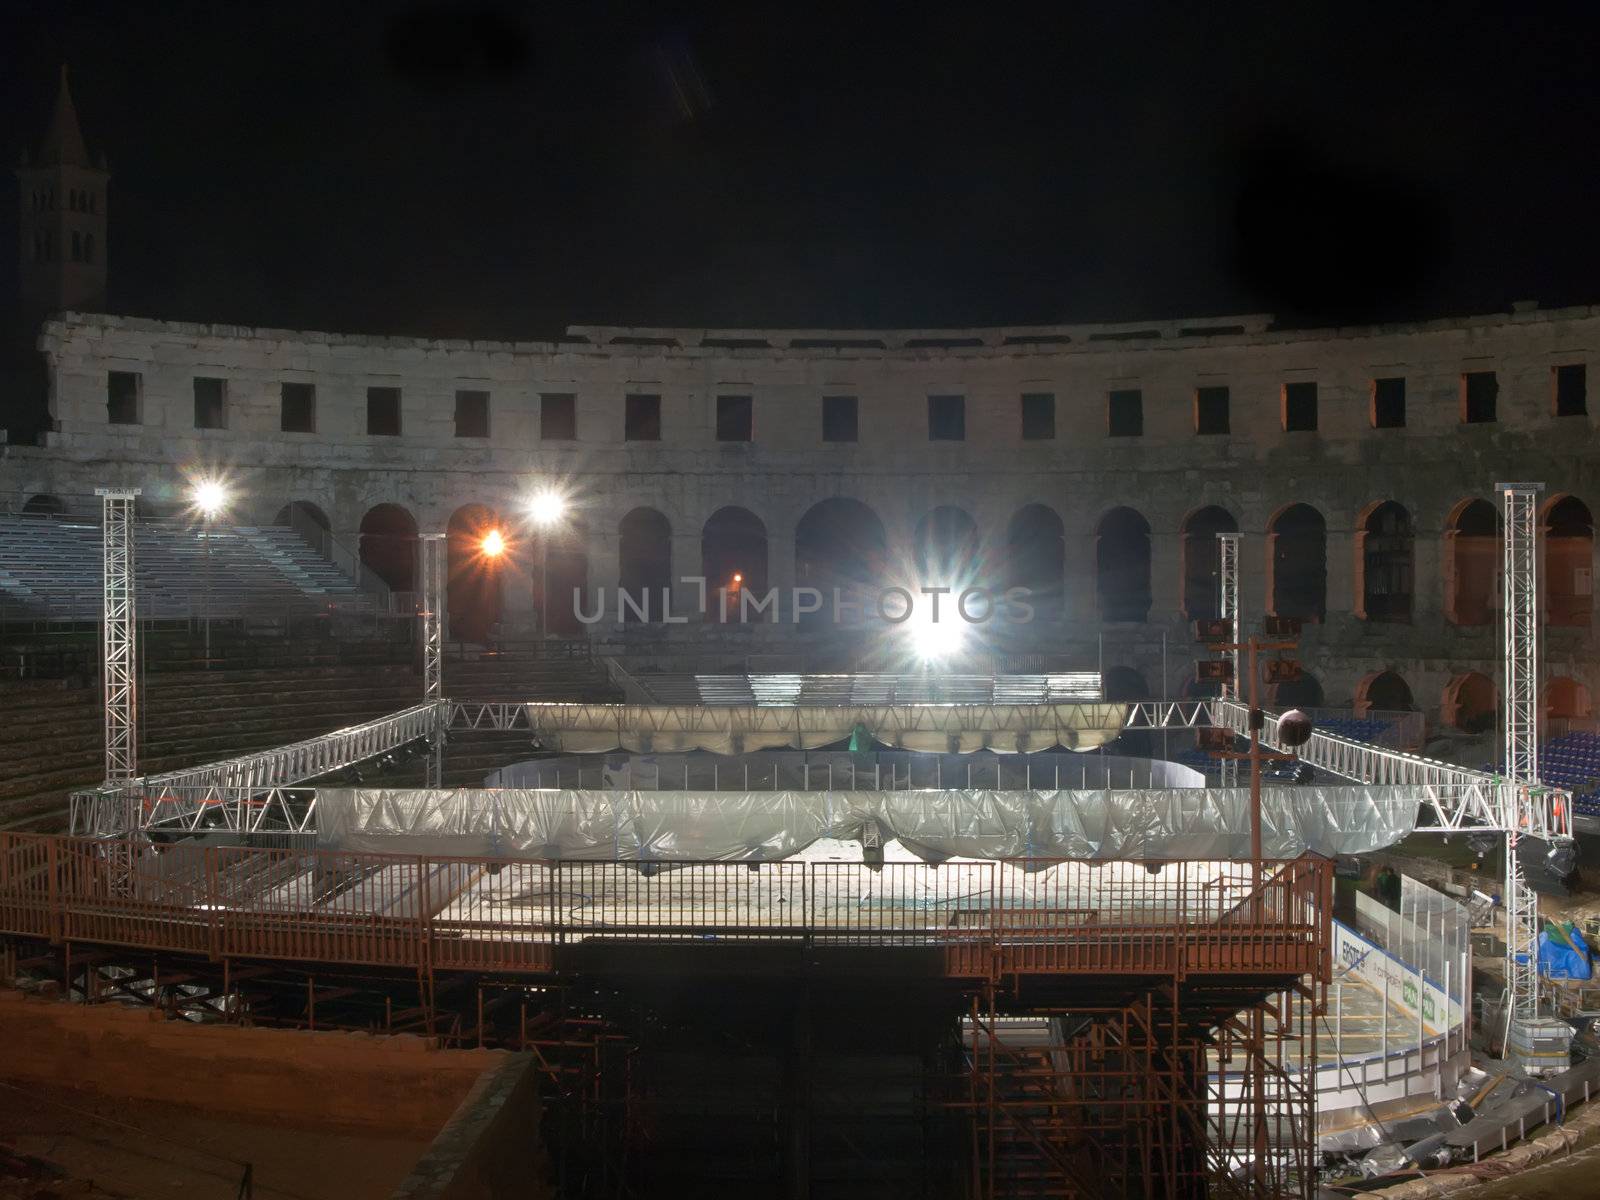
[434, 565]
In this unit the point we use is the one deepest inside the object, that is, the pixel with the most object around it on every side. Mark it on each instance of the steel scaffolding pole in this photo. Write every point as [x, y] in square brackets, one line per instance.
[119, 634]
[1520, 630]
[434, 547]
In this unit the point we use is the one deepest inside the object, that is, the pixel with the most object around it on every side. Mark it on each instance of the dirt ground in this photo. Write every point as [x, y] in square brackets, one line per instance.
[58, 1143]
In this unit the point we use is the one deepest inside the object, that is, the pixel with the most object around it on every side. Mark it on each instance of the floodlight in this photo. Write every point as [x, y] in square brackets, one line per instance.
[494, 544]
[209, 497]
[547, 506]
[934, 639]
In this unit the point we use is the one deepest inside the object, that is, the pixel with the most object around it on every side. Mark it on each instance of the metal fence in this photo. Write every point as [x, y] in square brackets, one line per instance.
[993, 917]
[1430, 932]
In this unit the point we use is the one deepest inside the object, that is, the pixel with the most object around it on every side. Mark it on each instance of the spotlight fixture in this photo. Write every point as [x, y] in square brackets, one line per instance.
[208, 497]
[493, 544]
[547, 506]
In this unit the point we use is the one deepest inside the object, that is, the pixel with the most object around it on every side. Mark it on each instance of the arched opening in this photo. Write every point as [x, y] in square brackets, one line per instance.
[839, 543]
[1569, 561]
[1202, 559]
[563, 575]
[1036, 558]
[946, 548]
[302, 516]
[1384, 691]
[1123, 684]
[1122, 566]
[472, 577]
[1305, 692]
[1471, 561]
[1468, 703]
[646, 559]
[389, 546]
[1297, 564]
[1565, 699]
[733, 559]
[44, 505]
[1384, 543]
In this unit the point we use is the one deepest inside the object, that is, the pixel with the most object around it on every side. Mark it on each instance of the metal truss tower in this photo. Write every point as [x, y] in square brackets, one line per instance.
[1228, 610]
[434, 548]
[1520, 629]
[119, 634]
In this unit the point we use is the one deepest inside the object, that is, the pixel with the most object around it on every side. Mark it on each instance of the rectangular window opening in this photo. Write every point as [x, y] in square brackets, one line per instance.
[472, 414]
[1038, 416]
[1211, 410]
[1125, 413]
[122, 398]
[558, 417]
[642, 419]
[1389, 403]
[947, 418]
[735, 419]
[299, 408]
[1571, 390]
[1300, 407]
[383, 412]
[1479, 391]
[210, 403]
[839, 419]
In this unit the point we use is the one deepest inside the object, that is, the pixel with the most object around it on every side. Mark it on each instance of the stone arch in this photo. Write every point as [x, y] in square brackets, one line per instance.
[472, 578]
[733, 559]
[1305, 692]
[1036, 558]
[1202, 560]
[1471, 562]
[301, 514]
[1385, 555]
[44, 505]
[946, 547]
[645, 556]
[839, 543]
[388, 545]
[1122, 566]
[1469, 703]
[562, 574]
[1120, 684]
[1385, 691]
[1297, 564]
[1566, 699]
[1568, 561]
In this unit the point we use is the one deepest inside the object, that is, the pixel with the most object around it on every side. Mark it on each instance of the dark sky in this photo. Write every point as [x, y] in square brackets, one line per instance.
[504, 170]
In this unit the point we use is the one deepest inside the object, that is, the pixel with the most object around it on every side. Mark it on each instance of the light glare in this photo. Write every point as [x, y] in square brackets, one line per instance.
[547, 507]
[494, 544]
[209, 497]
[935, 640]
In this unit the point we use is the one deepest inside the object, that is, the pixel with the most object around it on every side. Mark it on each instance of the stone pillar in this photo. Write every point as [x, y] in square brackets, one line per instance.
[687, 565]
[1080, 606]
[1340, 559]
[1252, 582]
[605, 576]
[1427, 579]
[519, 575]
[1166, 577]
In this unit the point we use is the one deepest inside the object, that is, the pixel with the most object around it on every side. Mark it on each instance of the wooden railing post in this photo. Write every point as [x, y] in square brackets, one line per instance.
[213, 894]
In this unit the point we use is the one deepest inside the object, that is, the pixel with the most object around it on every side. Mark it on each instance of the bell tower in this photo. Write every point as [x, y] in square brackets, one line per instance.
[63, 227]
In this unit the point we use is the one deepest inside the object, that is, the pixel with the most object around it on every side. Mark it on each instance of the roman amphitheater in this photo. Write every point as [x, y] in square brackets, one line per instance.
[456, 769]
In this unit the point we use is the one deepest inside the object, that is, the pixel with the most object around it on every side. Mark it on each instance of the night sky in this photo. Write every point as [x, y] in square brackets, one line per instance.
[506, 170]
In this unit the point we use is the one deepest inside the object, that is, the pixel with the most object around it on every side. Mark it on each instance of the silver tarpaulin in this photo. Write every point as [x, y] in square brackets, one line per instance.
[1189, 823]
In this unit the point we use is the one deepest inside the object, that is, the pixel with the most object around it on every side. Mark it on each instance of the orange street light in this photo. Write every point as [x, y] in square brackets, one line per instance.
[494, 544]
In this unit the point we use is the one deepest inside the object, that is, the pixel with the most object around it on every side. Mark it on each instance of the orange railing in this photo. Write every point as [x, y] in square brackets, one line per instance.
[1015, 916]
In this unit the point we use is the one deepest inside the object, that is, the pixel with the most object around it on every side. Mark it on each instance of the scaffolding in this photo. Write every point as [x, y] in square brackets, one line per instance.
[119, 640]
[1228, 610]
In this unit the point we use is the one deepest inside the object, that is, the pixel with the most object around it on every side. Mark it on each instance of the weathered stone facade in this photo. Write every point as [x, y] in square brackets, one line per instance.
[1343, 468]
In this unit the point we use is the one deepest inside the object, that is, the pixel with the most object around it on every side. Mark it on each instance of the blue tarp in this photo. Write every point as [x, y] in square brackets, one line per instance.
[1563, 962]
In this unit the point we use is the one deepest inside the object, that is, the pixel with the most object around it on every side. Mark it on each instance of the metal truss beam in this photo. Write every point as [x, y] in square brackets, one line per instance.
[1520, 633]
[1458, 798]
[435, 564]
[112, 810]
[119, 634]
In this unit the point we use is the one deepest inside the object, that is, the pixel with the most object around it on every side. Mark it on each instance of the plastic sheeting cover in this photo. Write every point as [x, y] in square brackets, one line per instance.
[642, 728]
[1186, 823]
